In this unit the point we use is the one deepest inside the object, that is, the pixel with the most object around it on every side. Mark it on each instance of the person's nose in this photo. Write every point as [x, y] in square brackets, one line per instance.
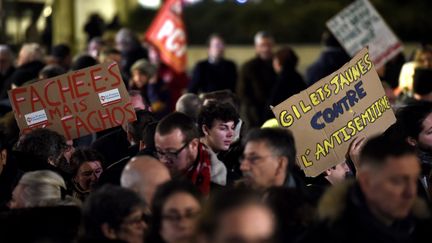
[244, 165]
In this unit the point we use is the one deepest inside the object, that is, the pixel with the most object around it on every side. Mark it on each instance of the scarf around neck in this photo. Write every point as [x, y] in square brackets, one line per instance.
[199, 173]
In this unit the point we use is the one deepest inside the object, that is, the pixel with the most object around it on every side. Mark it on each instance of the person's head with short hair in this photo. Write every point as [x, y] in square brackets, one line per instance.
[285, 59]
[143, 175]
[264, 42]
[134, 129]
[114, 213]
[44, 147]
[126, 40]
[95, 47]
[88, 166]
[216, 47]
[142, 72]
[423, 57]
[329, 40]
[110, 55]
[177, 141]
[176, 207]
[83, 61]
[6, 58]
[222, 96]
[237, 215]
[30, 52]
[189, 104]
[38, 189]
[268, 156]
[147, 142]
[62, 55]
[217, 122]
[388, 175]
[50, 71]
[415, 121]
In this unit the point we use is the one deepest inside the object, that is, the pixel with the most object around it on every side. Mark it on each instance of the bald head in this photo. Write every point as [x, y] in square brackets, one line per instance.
[143, 174]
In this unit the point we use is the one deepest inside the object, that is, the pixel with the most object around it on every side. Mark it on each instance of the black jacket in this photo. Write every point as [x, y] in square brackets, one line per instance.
[345, 217]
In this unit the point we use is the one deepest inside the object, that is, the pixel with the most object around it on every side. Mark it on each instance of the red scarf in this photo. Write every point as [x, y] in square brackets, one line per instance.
[199, 174]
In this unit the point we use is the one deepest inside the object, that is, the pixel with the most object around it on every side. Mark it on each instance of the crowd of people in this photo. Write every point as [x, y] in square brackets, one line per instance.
[198, 165]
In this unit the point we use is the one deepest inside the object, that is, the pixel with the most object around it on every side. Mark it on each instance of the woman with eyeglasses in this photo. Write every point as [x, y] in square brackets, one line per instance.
[176, 206]
[114, 214]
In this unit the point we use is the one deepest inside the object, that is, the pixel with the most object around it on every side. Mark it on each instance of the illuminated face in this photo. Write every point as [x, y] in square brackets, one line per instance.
[139, 79]
[220, 136]
[259, 165]
[425, 136]
[88, 174]
[390, 191]
[264, 48]
[179, 216]
[251, 223]
[174, 152]
[216, 48]
[338, 173]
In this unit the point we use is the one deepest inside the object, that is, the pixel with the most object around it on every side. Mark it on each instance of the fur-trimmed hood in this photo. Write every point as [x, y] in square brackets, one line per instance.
[333, 203]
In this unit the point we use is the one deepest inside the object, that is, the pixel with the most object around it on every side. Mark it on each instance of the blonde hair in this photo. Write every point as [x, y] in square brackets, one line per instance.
[42, 188]
[30, 52]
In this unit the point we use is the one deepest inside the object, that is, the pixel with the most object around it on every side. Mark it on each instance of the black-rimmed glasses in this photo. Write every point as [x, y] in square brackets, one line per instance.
[171, 155]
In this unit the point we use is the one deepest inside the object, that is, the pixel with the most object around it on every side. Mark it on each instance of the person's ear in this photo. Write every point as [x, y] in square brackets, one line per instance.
[412, 141]
[51, 161]
[205, 129]
[108, 232]
[193, 145]
[328, 171]
[282, 165]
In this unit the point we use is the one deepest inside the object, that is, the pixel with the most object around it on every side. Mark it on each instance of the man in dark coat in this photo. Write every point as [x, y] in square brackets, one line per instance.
[216, 72]
[256, 82]
[381, 205]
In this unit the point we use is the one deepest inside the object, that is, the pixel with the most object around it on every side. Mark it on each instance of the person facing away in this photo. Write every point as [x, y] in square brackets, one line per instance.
[215, 72]
[331, 58]
[289, 81]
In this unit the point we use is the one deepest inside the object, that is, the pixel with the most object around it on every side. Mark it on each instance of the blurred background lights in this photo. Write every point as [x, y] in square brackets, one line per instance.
[152, 4]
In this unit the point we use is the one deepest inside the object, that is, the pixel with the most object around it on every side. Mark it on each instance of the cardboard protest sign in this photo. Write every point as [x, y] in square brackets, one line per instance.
[328, 115]
[76, 103]
[359, 25]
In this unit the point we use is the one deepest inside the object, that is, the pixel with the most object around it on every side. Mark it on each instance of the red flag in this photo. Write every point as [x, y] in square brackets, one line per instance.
[167, 33]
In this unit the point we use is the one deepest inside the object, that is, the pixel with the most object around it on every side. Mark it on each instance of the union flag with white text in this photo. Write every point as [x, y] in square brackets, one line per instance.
[167, 33]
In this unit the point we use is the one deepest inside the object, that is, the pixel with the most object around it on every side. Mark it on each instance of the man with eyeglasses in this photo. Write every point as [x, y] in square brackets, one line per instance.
[178, 147]
[269, 159]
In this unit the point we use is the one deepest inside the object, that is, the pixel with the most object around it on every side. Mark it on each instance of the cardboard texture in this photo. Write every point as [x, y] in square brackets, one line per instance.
[76, 103]
[359, 25]
[327, 116]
